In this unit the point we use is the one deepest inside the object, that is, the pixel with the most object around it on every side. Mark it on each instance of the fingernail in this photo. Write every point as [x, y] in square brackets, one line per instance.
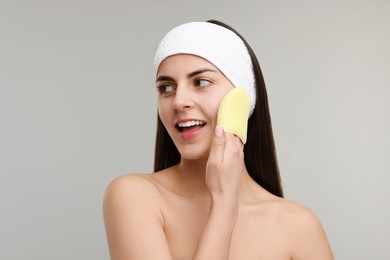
[218, 131]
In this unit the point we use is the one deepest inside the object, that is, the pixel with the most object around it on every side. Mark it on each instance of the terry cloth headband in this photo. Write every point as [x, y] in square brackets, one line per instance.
[220, 46]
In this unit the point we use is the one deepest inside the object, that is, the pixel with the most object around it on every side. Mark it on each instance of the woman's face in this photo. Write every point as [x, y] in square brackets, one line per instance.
[190, 90]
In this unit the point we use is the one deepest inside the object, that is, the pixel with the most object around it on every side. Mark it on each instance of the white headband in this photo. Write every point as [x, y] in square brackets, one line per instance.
[220, 46]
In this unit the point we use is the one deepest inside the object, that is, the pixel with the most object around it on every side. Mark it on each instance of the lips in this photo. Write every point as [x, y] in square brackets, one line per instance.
[190, 128]
[186, 125]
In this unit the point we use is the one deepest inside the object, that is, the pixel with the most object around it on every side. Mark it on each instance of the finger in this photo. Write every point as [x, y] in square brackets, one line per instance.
[239, 142]
[234, 145]
[217, 145]
[240, 147]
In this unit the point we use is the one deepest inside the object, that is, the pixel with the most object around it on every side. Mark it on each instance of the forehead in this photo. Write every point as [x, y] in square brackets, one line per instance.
[184, 63]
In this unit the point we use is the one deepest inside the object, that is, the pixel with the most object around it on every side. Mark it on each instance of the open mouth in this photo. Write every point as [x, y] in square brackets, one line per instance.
[190, 125]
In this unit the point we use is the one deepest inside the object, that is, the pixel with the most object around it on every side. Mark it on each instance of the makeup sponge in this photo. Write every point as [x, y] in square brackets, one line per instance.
[233, 112]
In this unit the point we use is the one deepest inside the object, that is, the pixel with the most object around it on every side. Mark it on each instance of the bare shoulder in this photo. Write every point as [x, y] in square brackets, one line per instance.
[294, 213]
[143, 186]
[308, 239]
[130, 184]
[132, 215]
[131, 194]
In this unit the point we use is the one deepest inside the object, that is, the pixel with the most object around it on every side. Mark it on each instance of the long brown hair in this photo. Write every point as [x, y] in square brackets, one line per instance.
[259, 150]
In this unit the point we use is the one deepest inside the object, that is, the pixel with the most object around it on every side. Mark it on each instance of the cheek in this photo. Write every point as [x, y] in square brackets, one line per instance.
[163, 111]
[211, 106]
[213, 101]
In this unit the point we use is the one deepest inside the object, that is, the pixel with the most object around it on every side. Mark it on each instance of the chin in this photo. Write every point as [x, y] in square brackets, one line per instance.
[192, 153]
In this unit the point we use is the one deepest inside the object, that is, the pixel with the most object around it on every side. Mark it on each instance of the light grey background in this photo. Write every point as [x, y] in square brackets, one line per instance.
[78, 108]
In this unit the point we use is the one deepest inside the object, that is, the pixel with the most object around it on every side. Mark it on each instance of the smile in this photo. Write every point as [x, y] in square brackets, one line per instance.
[190, 128]
[183, 126]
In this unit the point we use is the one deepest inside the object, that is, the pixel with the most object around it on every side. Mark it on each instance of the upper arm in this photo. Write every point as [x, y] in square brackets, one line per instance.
[133, 220]
[310, 241]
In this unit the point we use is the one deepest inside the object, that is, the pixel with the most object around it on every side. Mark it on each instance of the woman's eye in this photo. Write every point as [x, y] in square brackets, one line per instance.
[165, 88]
[202, 82]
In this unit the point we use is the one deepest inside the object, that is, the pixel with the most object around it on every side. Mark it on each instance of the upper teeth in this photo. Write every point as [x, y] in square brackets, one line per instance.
[190, 123]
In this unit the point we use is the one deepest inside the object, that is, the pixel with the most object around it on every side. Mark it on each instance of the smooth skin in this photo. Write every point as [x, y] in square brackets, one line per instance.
[207, 206]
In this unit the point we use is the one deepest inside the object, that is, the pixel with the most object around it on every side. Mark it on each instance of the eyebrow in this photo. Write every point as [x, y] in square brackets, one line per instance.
[189, 75]
[199, 71]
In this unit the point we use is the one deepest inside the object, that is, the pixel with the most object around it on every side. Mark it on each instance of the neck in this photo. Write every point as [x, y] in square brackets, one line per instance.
[191, 174]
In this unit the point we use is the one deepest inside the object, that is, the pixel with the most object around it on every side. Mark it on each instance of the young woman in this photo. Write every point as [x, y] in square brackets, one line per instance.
[210, 197]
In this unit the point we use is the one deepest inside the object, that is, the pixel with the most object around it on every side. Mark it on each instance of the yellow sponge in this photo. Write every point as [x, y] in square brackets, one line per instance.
[233, 113]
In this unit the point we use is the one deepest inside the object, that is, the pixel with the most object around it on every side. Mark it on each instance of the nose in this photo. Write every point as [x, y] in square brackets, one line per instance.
[183, 99]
